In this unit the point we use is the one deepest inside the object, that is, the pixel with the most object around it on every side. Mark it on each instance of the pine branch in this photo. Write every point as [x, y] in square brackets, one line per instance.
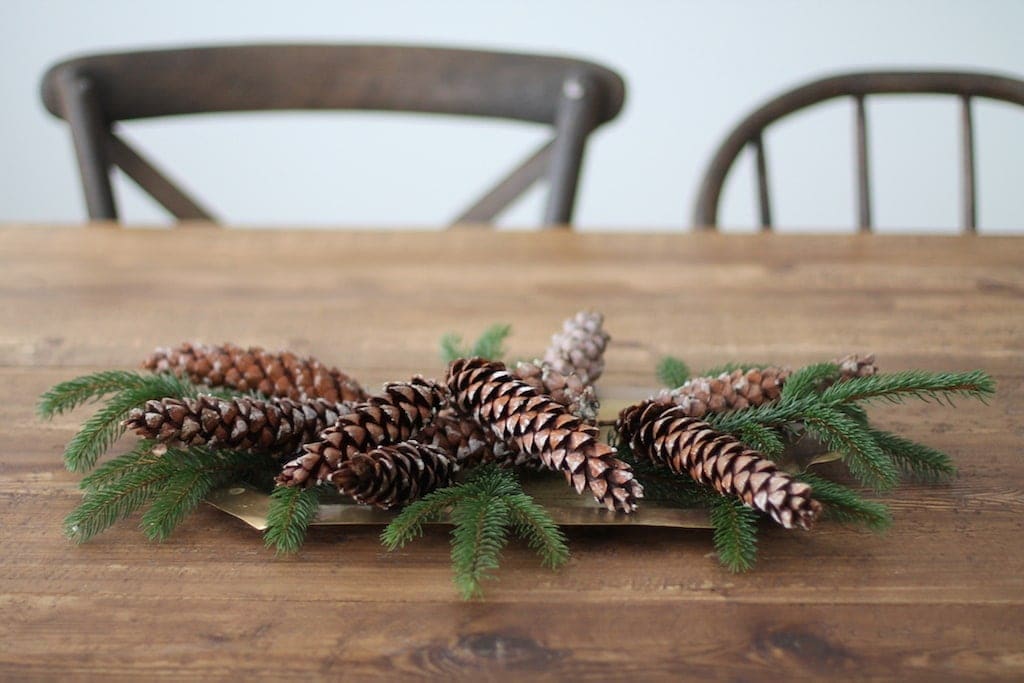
[807, 381]
[101, 508]
[489, 344]
[292, 509]
[140, 457]
[479, 535]
[735, 533]
[672, 372]
[67, 396]
[897, 386]
[866, 461]
[846, 506]
[918, 461]
[408, 525]
[763, 439]
[100, 431]
[452, 348]
[180, 495]
[774, 414]
[533, 524]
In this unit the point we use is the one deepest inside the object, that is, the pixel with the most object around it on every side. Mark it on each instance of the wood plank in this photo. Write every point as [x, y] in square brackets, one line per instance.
[940, 596]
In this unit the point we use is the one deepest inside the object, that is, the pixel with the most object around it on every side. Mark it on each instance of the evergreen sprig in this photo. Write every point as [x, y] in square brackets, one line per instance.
[843, 504]
[292, 509]
[735, 534]
[899, 386]
[488, 345]
[672, 372]
[484, 508]
[915, 460]
[68, 395]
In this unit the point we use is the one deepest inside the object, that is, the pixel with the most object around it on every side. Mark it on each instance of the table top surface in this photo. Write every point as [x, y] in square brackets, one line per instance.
[940, 594]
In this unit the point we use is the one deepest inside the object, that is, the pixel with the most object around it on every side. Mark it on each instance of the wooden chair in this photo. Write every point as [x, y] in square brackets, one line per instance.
[750, 131]
[93, 93]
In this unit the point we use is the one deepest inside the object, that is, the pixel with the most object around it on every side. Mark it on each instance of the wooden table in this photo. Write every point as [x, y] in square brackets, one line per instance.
[941, 595]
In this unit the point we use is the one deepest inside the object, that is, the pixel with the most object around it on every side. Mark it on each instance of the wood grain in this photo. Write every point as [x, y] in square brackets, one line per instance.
[940, 596]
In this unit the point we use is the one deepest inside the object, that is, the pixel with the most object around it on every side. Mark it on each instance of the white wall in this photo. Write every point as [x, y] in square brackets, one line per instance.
[692, 69]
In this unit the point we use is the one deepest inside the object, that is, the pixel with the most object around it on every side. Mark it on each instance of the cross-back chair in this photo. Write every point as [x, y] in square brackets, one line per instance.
[94, 93]
[966, 86]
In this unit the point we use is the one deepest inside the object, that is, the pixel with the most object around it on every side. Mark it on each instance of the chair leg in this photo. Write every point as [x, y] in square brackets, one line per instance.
[576, 116]
[89, 133]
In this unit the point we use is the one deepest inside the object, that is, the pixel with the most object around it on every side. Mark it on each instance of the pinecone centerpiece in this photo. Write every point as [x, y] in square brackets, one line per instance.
[666, 435]
[392, 476]
[539, 427]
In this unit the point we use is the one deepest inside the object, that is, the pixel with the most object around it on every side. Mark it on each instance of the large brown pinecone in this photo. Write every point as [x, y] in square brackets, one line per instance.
[579, 348]
[277, 424]
[747, 388]
[666, 435]
[392, 417]
[394, 475]
[274, 374]
[466, 442]
[539, 427]
[569, 390]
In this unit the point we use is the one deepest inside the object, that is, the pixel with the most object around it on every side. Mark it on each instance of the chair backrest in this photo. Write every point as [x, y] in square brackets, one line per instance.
[750, 131]
[94, 92]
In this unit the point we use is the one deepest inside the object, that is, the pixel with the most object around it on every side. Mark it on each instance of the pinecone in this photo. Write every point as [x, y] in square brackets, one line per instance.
[579, 348]
[666, 435]
[568, 390]
[465, 441]
[747, 388]
[402, 409]
[394, 475]
[274, 374]
[278, 424]
[538, 427]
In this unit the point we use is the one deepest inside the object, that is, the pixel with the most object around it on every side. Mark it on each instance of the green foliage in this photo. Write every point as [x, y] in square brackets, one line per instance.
[898, 386]
[844, 505]
[138, 458]
[291, 511]
[763, 439]
[100, 431]
[672, 372]
[735, 533]
[483, 509]
[917, 461]
[840, 433]
[808, 380]
[104, 506]
[488, 345]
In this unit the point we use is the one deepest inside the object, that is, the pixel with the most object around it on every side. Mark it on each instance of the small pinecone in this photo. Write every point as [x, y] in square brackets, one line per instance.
[274, 374]
[748, 388]
[394, 475]
[465, 441]
[539, 427]
[728, 391]
[579, 348]
[568, 390]
[278, 424]
[666, 435]
[402, 409]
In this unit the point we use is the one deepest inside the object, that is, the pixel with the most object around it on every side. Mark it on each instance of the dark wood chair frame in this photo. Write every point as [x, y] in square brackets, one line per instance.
[750, 131]
[93, 93]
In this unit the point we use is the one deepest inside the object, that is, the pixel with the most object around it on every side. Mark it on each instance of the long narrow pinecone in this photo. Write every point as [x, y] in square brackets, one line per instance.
[569, 390]
[394, 475]
[747, 388]
[579, 348]
[539, 427]
[392, 417]
[666, 435]
[277, 424]
[274, 374]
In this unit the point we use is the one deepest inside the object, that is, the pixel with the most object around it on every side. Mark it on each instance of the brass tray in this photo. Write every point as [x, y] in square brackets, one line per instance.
[250, 504]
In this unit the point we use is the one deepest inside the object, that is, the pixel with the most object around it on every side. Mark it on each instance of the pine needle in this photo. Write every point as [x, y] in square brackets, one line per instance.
[866, 461]
[67, 396]
[480, 533]
[808, 380]
[672, 372]
[897, 386]
[763, 439]
[489, 344]
[291, 511]
[408, 525]
[109, 472]
[103, 507]
[735, 533]
[178, 496]
[844, 505]
[452, 348]
[100, 431]
[917, 461]
[533, 524]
